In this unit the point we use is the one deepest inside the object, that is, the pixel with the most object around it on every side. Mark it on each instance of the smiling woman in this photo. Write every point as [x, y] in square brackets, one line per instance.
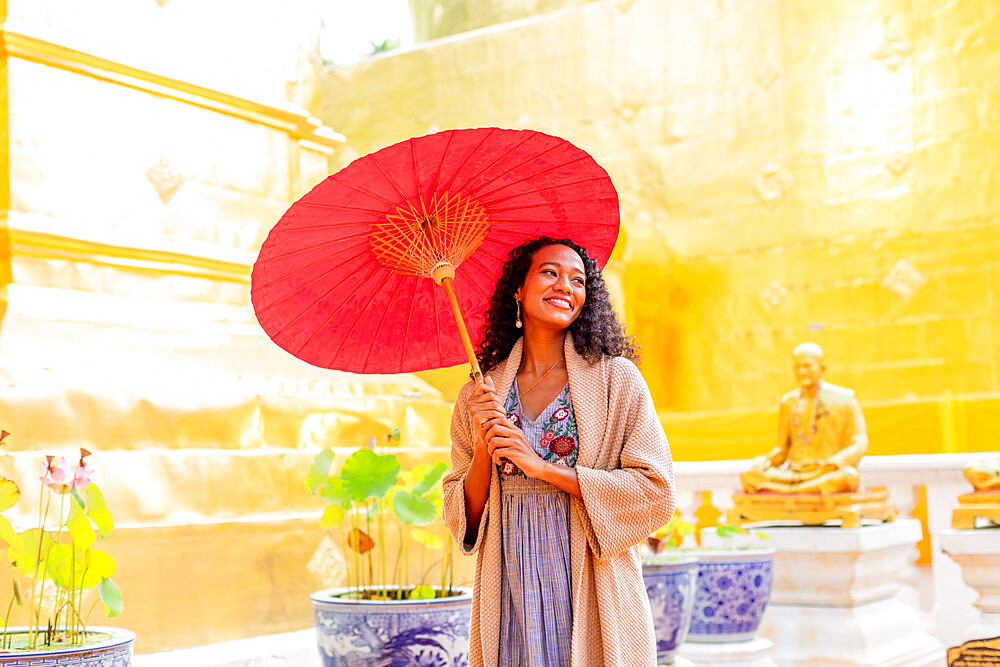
[560, 468]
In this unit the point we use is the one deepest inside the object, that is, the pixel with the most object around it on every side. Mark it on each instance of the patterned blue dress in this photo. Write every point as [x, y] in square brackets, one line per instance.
[536, 612]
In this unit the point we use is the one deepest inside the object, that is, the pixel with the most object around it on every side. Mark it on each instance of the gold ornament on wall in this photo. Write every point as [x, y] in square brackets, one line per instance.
[165, 178]
[904, 279]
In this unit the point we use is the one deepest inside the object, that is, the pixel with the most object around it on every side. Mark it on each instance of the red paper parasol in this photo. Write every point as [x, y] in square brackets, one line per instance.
[342, 280]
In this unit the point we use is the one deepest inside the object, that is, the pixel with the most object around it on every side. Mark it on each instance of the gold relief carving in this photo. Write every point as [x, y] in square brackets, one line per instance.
[165, 178]
[893, 51]
[774, 294]
[898, 163]
[628, 103]
[767, 76]
[19, 42]
[904, 279]
[624, 5]
[771, 184]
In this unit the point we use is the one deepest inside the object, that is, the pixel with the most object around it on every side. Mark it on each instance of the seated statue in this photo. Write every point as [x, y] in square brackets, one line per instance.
[984, 475]
[821, 435]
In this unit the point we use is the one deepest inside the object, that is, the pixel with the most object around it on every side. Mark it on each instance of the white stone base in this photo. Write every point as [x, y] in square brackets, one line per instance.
[884, 633]
[834, 597]
[750, 653]
[978, 552]
[290, 649]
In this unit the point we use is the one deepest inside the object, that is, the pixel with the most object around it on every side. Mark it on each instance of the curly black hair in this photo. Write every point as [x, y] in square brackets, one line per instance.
[596, 331]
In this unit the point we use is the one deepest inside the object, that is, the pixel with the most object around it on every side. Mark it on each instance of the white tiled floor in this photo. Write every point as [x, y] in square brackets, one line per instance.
[291, 649]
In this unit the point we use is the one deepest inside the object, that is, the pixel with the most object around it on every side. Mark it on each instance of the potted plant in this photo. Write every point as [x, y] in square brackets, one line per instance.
[56, 569]
[735, 570]
[670, 580]
[385, 615]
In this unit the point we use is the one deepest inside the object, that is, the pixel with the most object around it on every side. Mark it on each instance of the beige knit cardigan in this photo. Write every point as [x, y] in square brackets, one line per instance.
[627, 482]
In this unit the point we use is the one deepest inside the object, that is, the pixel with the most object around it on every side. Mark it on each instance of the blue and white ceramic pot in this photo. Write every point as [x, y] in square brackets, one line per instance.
[114, 651]
[732, 591]
[372, 633]
[670, 587]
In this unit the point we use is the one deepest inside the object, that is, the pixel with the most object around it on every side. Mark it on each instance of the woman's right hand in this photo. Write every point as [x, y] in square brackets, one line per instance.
[484, 408]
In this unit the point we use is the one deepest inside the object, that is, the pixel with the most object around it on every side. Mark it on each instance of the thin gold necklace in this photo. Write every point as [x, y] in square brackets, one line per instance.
[541, 378]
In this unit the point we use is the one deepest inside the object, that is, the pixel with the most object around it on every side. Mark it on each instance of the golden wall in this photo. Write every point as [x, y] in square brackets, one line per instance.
[148, 147]
[788, 171]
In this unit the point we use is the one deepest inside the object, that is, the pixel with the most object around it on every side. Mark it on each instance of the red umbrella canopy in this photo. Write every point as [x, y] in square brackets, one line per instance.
[342, 280]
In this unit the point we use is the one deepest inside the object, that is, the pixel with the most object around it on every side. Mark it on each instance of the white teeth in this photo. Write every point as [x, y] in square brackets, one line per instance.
[562, 303]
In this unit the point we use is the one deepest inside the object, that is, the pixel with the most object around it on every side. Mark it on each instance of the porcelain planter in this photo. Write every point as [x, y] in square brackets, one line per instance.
[732, 591]
[115, 651]
[372, 633]
[670, 587]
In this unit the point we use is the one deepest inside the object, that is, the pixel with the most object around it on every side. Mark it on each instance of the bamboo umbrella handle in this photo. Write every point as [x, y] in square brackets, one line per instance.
[444, 275]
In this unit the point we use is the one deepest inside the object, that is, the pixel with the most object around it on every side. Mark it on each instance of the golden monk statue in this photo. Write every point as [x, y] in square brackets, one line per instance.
[984, 475]
[821, 435]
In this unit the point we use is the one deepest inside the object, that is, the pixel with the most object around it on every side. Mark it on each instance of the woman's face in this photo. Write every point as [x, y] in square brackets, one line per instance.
[554, 289]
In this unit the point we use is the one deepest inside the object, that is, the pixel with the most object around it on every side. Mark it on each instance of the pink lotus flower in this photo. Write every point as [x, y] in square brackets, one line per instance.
[82, 477]
[57, 477]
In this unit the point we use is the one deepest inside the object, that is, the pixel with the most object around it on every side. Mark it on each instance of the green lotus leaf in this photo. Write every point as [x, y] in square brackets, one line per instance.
[394, 435]
[24, 555]
[111, 596]
[9, 535]
[79, 528]
[729, 530]
[412, 509]
[333, 515]
[320, 469]
[9, 493]
[366, 474]
[430, 479]
[332, 491]
[97, 566]
[427, 538]
[63, 565]
[422, 592]
[98, 511]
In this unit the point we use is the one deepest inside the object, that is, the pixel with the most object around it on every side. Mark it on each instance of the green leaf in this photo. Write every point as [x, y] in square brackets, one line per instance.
[413, 509]
[422, 592]
[79, 528]
[97, 566]
[25, 555]
[333, 515]
[729, 530]
[63, 564]
[431, 478]
[9, 535]
[332, 491]
[78, 498]
[320, 469]
[685, 528]
[111, 596]
[427, 538]
[9, 493]
[394, 434]
[369, 475]
[98, 511]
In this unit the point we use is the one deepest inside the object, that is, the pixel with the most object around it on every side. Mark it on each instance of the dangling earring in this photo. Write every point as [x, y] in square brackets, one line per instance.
[518, 322]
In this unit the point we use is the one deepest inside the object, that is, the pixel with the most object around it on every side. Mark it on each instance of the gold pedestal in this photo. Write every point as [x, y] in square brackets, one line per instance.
[813, 509]
[983, 504]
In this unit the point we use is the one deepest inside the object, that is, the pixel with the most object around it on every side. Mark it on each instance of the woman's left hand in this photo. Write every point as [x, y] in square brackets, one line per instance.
[505, 441]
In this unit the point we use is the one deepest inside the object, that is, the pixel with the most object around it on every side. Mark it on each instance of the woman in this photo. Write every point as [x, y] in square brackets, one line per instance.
[560, 468]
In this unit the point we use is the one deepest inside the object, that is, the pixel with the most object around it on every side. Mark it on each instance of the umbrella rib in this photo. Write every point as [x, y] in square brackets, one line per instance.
[341, 207]
[416, 177]
[544, 204]
[444, 154]
[385, 313]
[317, 245]
[534, 190]
[406, 331]
[437, 322]
[306, 266]
[467, 158]
[490, 165]
[331, 316]
[413, 209]
[332, 225]
[343, 340]
[511, 170]
[362, 190]
[549, 222]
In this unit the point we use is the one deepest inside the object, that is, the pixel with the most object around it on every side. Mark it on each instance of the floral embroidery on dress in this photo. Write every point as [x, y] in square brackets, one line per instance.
[558, 443]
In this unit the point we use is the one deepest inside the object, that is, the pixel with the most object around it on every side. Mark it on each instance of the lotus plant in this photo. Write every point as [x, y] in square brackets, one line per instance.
[58, 556]
[368, 485]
